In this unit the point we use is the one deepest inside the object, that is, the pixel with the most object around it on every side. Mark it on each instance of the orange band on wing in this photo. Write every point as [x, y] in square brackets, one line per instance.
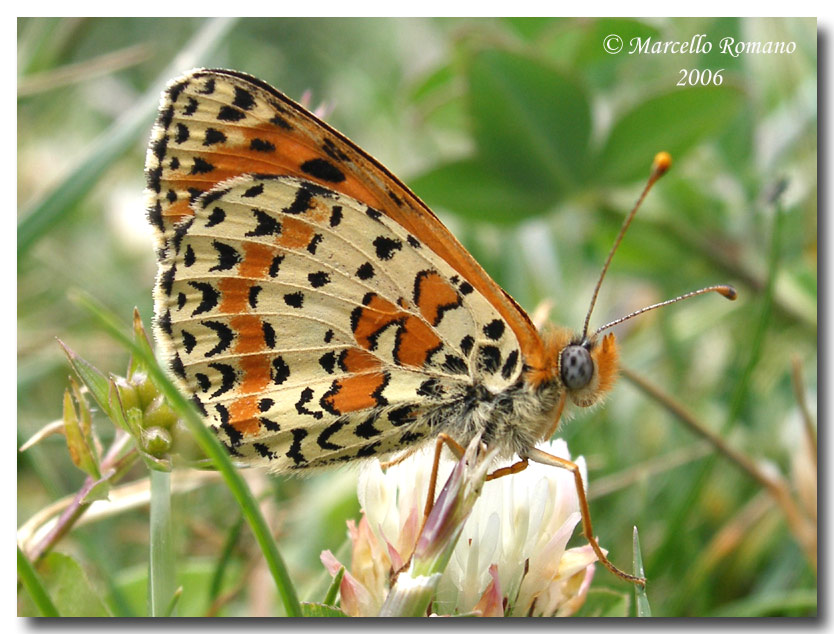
[243, 415]
[355, 393]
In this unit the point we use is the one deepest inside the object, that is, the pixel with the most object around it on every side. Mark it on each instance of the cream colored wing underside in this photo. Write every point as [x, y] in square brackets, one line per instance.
[313, 329]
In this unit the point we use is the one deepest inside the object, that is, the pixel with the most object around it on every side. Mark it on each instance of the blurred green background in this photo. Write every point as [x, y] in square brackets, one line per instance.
[531, 142]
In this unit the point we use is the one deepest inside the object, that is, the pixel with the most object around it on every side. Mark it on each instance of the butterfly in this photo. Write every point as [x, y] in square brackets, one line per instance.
[317, 312]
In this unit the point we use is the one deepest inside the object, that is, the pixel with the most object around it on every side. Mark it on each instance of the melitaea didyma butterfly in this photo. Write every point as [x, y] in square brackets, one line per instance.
[319, 313]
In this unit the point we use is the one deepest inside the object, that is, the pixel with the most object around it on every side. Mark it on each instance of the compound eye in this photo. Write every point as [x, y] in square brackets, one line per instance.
[577, 367]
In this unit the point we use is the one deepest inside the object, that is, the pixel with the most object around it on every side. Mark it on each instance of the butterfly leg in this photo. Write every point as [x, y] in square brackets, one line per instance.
[536, 455]
[518, 467]
[399, 458]
[455, 448]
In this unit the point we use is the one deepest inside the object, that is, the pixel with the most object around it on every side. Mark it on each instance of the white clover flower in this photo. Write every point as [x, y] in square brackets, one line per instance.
[511, 558]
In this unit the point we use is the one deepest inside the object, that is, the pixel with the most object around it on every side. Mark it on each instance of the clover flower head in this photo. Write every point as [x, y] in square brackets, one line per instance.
[511, 557]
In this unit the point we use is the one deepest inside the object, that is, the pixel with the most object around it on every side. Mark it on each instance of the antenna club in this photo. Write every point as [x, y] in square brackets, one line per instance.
[661, 164]
[727, 291]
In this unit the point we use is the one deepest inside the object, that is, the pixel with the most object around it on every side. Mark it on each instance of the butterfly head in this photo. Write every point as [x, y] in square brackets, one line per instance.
[586, 367]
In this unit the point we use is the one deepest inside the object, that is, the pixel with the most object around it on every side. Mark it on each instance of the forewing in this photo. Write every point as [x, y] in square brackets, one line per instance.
[215, 125]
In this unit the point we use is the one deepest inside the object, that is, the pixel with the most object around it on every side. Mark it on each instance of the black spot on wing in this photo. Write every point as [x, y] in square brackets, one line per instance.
[280, 371]
[177, 367]
[335, 215]
[509, 365]
[243, 99]
[191, 107]
[182, 133]
[366, 429]
[213, 137]
[208, 87]
[267, 225]
[228, 377]
[189, 257]
[334, 151]
[365, 272]
[254, 291]
[210, 299]
[230, 114]
[324, 437]
[276, 265]
[254, 191]
[314, 243]
[454, 365]
[489, 359]
[294, 452]
[188, 341]
[201, 166]
[216, 216]
[202, 381]
[323, 170]
[166, 280]
[328, 362]
[295, 300]
[386, 247]
[164, 322]
[261, 145]
[269, 335]
[466, 344]
[227, 256]
[225, 335]
[263, 450]
[301, 404]
[318, 279]
[494, 329]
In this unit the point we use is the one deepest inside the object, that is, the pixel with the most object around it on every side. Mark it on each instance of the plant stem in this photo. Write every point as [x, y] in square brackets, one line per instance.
[161, 574]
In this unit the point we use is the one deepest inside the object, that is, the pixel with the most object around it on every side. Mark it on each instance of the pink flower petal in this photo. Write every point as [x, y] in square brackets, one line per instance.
[492, 601]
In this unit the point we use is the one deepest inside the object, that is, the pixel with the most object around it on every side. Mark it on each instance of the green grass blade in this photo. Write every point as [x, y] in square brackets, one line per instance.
[643, 607]
[333, 590]
[211, 447]
[223, 561]
[32, 583]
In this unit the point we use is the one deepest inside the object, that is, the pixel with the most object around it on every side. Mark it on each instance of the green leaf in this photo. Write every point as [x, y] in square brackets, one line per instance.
[532, 123]
[82, 456]
[674, 122]
[92, 377]
[319, 610]
[69, 587]
[475, 190]
[100, 490]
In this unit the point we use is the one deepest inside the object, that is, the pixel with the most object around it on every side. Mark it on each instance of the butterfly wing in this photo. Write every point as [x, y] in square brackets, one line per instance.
[311, 328]
[214, 125]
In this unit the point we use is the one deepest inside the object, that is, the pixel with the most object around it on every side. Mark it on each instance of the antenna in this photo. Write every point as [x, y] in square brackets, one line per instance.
[725, 289]
[662, 162]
